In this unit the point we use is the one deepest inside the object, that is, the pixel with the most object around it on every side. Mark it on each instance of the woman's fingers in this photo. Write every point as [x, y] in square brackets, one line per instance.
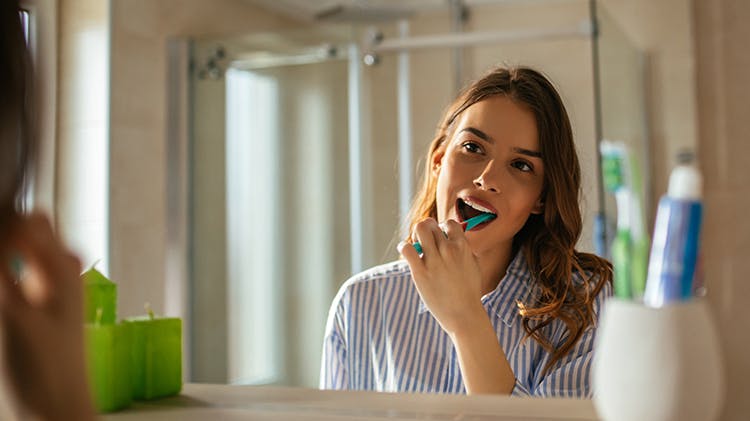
[46, 262]
[409, 253]
[12, 301]
[428, 233]
[453, 230]
[41, 248]
[442, 238]
[454, 239]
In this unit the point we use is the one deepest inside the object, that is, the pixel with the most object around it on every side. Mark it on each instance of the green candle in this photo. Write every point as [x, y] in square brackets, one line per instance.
[108, 358]
[100, 293]
[156, 356]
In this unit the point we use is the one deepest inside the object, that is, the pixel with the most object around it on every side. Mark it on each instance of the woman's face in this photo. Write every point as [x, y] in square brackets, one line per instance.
[491, 164]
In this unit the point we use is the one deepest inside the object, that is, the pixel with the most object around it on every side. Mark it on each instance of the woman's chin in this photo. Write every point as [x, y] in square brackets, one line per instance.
[480, 250]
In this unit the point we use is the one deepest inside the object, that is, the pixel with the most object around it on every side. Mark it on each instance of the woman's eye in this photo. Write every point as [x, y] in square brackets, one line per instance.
[523, 166]
[472, 147]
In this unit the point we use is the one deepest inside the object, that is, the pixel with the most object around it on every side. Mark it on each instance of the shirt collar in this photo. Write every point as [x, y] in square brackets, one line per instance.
[503, 300]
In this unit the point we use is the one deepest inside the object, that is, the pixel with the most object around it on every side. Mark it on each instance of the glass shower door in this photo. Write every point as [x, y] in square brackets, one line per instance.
[270, 215]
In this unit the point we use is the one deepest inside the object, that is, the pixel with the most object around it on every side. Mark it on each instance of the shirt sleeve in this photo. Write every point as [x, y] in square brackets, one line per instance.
[571, 376]
[333, 368]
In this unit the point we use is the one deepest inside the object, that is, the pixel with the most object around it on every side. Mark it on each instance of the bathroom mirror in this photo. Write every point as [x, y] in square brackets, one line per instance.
[267, 173]
[306, 145]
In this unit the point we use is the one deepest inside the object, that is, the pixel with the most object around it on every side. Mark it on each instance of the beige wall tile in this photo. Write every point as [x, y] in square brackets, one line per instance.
[723, 83]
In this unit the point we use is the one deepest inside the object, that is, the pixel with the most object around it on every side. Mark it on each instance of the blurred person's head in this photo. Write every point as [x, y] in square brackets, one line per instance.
[17, 137]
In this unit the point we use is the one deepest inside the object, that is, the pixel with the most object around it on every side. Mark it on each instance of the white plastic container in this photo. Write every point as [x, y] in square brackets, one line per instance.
[657, 363]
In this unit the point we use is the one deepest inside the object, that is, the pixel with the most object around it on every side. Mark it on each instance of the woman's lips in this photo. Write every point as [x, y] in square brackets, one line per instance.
[479, 206]
[471, 200]
[468, 207]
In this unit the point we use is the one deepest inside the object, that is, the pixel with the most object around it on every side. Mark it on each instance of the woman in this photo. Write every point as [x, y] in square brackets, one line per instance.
[41, 317]
[509, 307]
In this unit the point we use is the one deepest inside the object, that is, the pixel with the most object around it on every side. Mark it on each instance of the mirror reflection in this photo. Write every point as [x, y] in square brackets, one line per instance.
[308, 146]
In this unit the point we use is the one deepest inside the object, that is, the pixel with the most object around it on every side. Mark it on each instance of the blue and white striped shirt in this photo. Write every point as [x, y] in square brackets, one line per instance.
[380, 336]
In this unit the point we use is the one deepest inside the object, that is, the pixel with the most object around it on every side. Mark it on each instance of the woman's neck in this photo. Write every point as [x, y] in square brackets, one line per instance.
[493, 265]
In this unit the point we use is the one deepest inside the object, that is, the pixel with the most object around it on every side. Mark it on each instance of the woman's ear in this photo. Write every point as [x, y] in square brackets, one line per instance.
[538, 206]
[437, 161]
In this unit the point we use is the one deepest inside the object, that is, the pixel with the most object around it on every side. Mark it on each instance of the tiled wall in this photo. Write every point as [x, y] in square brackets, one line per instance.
[723, 76]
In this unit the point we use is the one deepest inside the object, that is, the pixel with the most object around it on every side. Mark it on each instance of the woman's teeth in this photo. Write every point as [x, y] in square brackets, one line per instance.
[478, 207]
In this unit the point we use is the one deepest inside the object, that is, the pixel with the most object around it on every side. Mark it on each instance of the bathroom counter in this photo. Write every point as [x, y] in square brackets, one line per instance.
[206, 401]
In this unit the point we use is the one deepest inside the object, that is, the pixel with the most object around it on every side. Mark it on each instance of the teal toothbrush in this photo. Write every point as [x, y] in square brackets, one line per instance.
[471, 223]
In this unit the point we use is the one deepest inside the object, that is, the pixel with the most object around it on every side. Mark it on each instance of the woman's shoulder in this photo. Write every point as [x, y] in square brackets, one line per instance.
[386, 273]
[378, 281]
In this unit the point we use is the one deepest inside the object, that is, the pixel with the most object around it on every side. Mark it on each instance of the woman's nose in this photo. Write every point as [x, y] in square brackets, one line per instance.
[488, 180]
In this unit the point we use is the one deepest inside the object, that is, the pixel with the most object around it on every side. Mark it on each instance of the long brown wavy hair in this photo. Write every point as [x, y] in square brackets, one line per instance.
[547, 240]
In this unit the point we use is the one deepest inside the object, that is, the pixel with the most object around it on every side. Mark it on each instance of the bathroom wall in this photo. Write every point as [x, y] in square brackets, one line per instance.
[723, 87]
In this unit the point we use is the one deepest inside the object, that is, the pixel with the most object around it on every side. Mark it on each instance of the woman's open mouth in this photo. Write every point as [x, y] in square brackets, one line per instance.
[468, 208]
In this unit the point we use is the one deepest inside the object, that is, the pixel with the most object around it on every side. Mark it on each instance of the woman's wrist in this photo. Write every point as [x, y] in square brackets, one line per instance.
[473, 322]
[483, 363]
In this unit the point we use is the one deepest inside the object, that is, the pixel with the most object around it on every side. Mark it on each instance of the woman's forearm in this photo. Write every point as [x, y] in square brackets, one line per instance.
[484, 366]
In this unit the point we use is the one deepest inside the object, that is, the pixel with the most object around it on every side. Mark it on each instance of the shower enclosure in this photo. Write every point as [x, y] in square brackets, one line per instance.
[302, 149]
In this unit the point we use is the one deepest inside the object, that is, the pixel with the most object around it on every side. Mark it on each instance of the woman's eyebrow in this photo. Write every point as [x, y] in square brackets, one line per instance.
[484, 136]
[478, 133]
[523, 151]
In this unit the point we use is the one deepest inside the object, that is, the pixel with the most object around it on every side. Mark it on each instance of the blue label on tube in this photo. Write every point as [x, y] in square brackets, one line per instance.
[674, 252]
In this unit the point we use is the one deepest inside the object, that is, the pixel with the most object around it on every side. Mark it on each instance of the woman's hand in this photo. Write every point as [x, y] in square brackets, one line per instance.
[448, 279]
[447, 276]
[41, 321]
